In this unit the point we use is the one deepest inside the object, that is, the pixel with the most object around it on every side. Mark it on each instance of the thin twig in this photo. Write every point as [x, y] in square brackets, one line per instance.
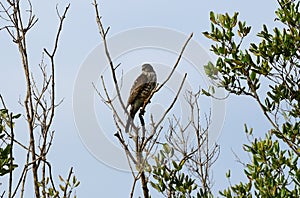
[103, 34]
[109, 101]
[11, 156]
[166, 112]
[173, 102]
[171, 73]
[62, 18]
[133, 187]
[68, 181]
[125, 147]
[2, 101]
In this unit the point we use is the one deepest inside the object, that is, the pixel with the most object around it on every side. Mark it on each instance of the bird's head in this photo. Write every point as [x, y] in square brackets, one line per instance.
[147, 68]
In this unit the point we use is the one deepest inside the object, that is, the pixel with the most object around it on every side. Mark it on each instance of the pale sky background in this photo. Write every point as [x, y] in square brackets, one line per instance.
[80, 36]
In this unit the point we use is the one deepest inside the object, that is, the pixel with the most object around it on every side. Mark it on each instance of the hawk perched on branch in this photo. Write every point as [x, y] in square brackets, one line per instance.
[140, 92]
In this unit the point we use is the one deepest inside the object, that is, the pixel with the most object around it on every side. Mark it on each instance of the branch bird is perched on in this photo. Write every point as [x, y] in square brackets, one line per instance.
[140, 92]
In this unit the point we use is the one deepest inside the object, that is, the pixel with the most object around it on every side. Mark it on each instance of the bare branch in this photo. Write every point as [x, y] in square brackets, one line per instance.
[170, 75]
[176, 63]
[135, 179]
[173, 102]
[125, 148]
[103, 34]
[62, 18]
[2, 101]
[109, 101]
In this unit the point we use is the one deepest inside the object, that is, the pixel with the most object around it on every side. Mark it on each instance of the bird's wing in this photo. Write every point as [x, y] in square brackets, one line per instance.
[137, 87]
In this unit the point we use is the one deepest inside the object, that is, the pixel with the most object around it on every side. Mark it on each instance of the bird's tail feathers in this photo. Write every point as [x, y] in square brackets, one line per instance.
[128, 124]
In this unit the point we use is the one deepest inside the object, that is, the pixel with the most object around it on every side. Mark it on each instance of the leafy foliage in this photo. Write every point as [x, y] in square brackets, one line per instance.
[65, 188]
[170, 178]
[6, 159]
[273, 63]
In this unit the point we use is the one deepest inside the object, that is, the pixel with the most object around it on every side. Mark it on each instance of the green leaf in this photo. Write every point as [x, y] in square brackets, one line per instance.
[167, 148]
[234, 19]
[212, 90]
[182, 162]
[51, 191]
[228, 174]
[212, 17]
[61, 187]
[253, 75]
[175, 165]
[77, 184]
[205, 92]
[155, 186]
[74, 179]
[61, 178]
[221, 19]
[16, 116]
[207, 35]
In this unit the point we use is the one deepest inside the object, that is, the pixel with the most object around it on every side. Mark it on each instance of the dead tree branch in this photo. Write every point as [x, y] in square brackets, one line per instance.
[103, 33]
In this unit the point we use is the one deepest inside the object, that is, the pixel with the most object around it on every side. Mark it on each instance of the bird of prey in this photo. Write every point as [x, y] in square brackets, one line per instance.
[140, 92]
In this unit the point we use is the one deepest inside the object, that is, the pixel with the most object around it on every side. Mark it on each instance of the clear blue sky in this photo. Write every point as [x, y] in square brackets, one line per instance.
[80, 36]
